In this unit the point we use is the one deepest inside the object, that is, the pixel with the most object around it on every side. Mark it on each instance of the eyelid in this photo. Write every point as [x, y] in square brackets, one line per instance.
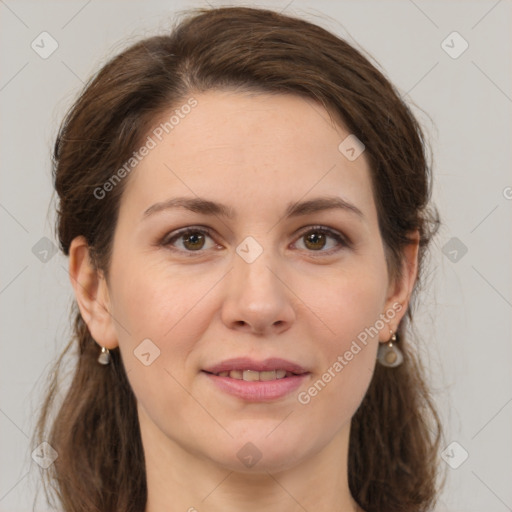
[176, 234]
[342, 240]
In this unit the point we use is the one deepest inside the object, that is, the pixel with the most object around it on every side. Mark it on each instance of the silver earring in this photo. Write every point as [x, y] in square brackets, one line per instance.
[389, 354]
[104, 357]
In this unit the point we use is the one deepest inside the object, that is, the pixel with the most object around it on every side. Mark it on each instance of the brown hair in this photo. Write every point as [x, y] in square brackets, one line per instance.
[396, 431]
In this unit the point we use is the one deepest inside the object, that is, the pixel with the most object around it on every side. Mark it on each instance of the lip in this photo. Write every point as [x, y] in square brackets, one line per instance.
[258, 391]
[246, 363]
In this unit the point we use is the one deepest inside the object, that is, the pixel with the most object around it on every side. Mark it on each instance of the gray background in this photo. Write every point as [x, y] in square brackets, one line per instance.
[465, 106]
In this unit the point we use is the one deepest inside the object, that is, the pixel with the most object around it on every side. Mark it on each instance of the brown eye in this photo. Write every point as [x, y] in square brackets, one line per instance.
[315, 240]
[189, 240]
[194, 241]
[322, 240]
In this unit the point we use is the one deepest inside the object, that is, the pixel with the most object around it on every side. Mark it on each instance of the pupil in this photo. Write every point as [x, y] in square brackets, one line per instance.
[193, 239]
[317, 239]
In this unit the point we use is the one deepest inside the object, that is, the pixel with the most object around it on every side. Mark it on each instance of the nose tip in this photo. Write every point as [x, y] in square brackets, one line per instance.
[256, 299]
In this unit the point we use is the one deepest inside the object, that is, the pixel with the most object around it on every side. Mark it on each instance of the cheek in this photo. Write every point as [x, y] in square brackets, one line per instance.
[155, 301]
[348, 307]
[168, 308]
[349, 302]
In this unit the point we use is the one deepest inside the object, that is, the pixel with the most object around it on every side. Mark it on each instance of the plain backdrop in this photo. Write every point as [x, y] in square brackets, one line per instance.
[463, 99]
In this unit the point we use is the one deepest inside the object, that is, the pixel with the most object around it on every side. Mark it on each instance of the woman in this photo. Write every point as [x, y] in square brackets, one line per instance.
[245, 207]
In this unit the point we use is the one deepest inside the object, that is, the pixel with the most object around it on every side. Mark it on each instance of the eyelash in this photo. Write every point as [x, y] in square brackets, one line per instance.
[342, 241]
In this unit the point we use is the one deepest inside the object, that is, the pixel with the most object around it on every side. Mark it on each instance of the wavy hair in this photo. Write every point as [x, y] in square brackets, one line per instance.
[396, 431]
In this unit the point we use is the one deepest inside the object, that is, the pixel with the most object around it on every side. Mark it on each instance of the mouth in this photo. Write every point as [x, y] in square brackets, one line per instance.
[247, 368]
[253, 375]
[253, 386]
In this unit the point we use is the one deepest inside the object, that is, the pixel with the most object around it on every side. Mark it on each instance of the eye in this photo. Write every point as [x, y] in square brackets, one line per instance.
[316, 239]
[190, 240]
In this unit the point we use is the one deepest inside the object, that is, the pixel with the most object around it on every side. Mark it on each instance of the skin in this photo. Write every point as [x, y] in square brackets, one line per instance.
[254, 153]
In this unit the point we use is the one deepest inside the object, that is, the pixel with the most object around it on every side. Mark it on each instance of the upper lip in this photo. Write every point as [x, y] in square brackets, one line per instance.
[246, 363]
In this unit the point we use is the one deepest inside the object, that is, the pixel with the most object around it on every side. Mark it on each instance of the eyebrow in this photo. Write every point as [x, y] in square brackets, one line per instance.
[294, 209]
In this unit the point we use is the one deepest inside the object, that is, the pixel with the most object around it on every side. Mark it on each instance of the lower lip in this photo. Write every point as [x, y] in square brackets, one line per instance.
[258, 391]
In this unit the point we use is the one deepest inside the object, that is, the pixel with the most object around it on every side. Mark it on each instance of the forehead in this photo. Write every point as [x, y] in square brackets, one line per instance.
[250, 148]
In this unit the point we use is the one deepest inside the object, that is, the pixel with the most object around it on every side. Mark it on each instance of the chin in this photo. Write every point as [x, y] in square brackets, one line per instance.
[259, 454]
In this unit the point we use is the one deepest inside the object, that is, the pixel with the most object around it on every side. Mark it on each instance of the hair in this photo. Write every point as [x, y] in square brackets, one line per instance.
[396, 432]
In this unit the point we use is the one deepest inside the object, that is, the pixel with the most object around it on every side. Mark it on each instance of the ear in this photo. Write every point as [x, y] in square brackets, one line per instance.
[91, 294]
[400, 288]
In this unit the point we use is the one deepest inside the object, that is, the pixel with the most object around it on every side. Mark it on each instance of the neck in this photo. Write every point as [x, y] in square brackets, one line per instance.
[179, 479]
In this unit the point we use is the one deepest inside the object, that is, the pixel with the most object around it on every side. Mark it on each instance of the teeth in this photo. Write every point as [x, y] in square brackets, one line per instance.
[251, 375]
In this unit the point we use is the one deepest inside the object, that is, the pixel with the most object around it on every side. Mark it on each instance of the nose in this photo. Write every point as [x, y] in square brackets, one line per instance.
[257, 299]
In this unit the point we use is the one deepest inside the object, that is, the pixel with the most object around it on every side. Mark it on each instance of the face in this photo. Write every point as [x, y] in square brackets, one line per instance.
[302, 287]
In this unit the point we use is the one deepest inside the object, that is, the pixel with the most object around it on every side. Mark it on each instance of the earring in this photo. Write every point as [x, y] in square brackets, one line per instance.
[104, 357]
[389, 354]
